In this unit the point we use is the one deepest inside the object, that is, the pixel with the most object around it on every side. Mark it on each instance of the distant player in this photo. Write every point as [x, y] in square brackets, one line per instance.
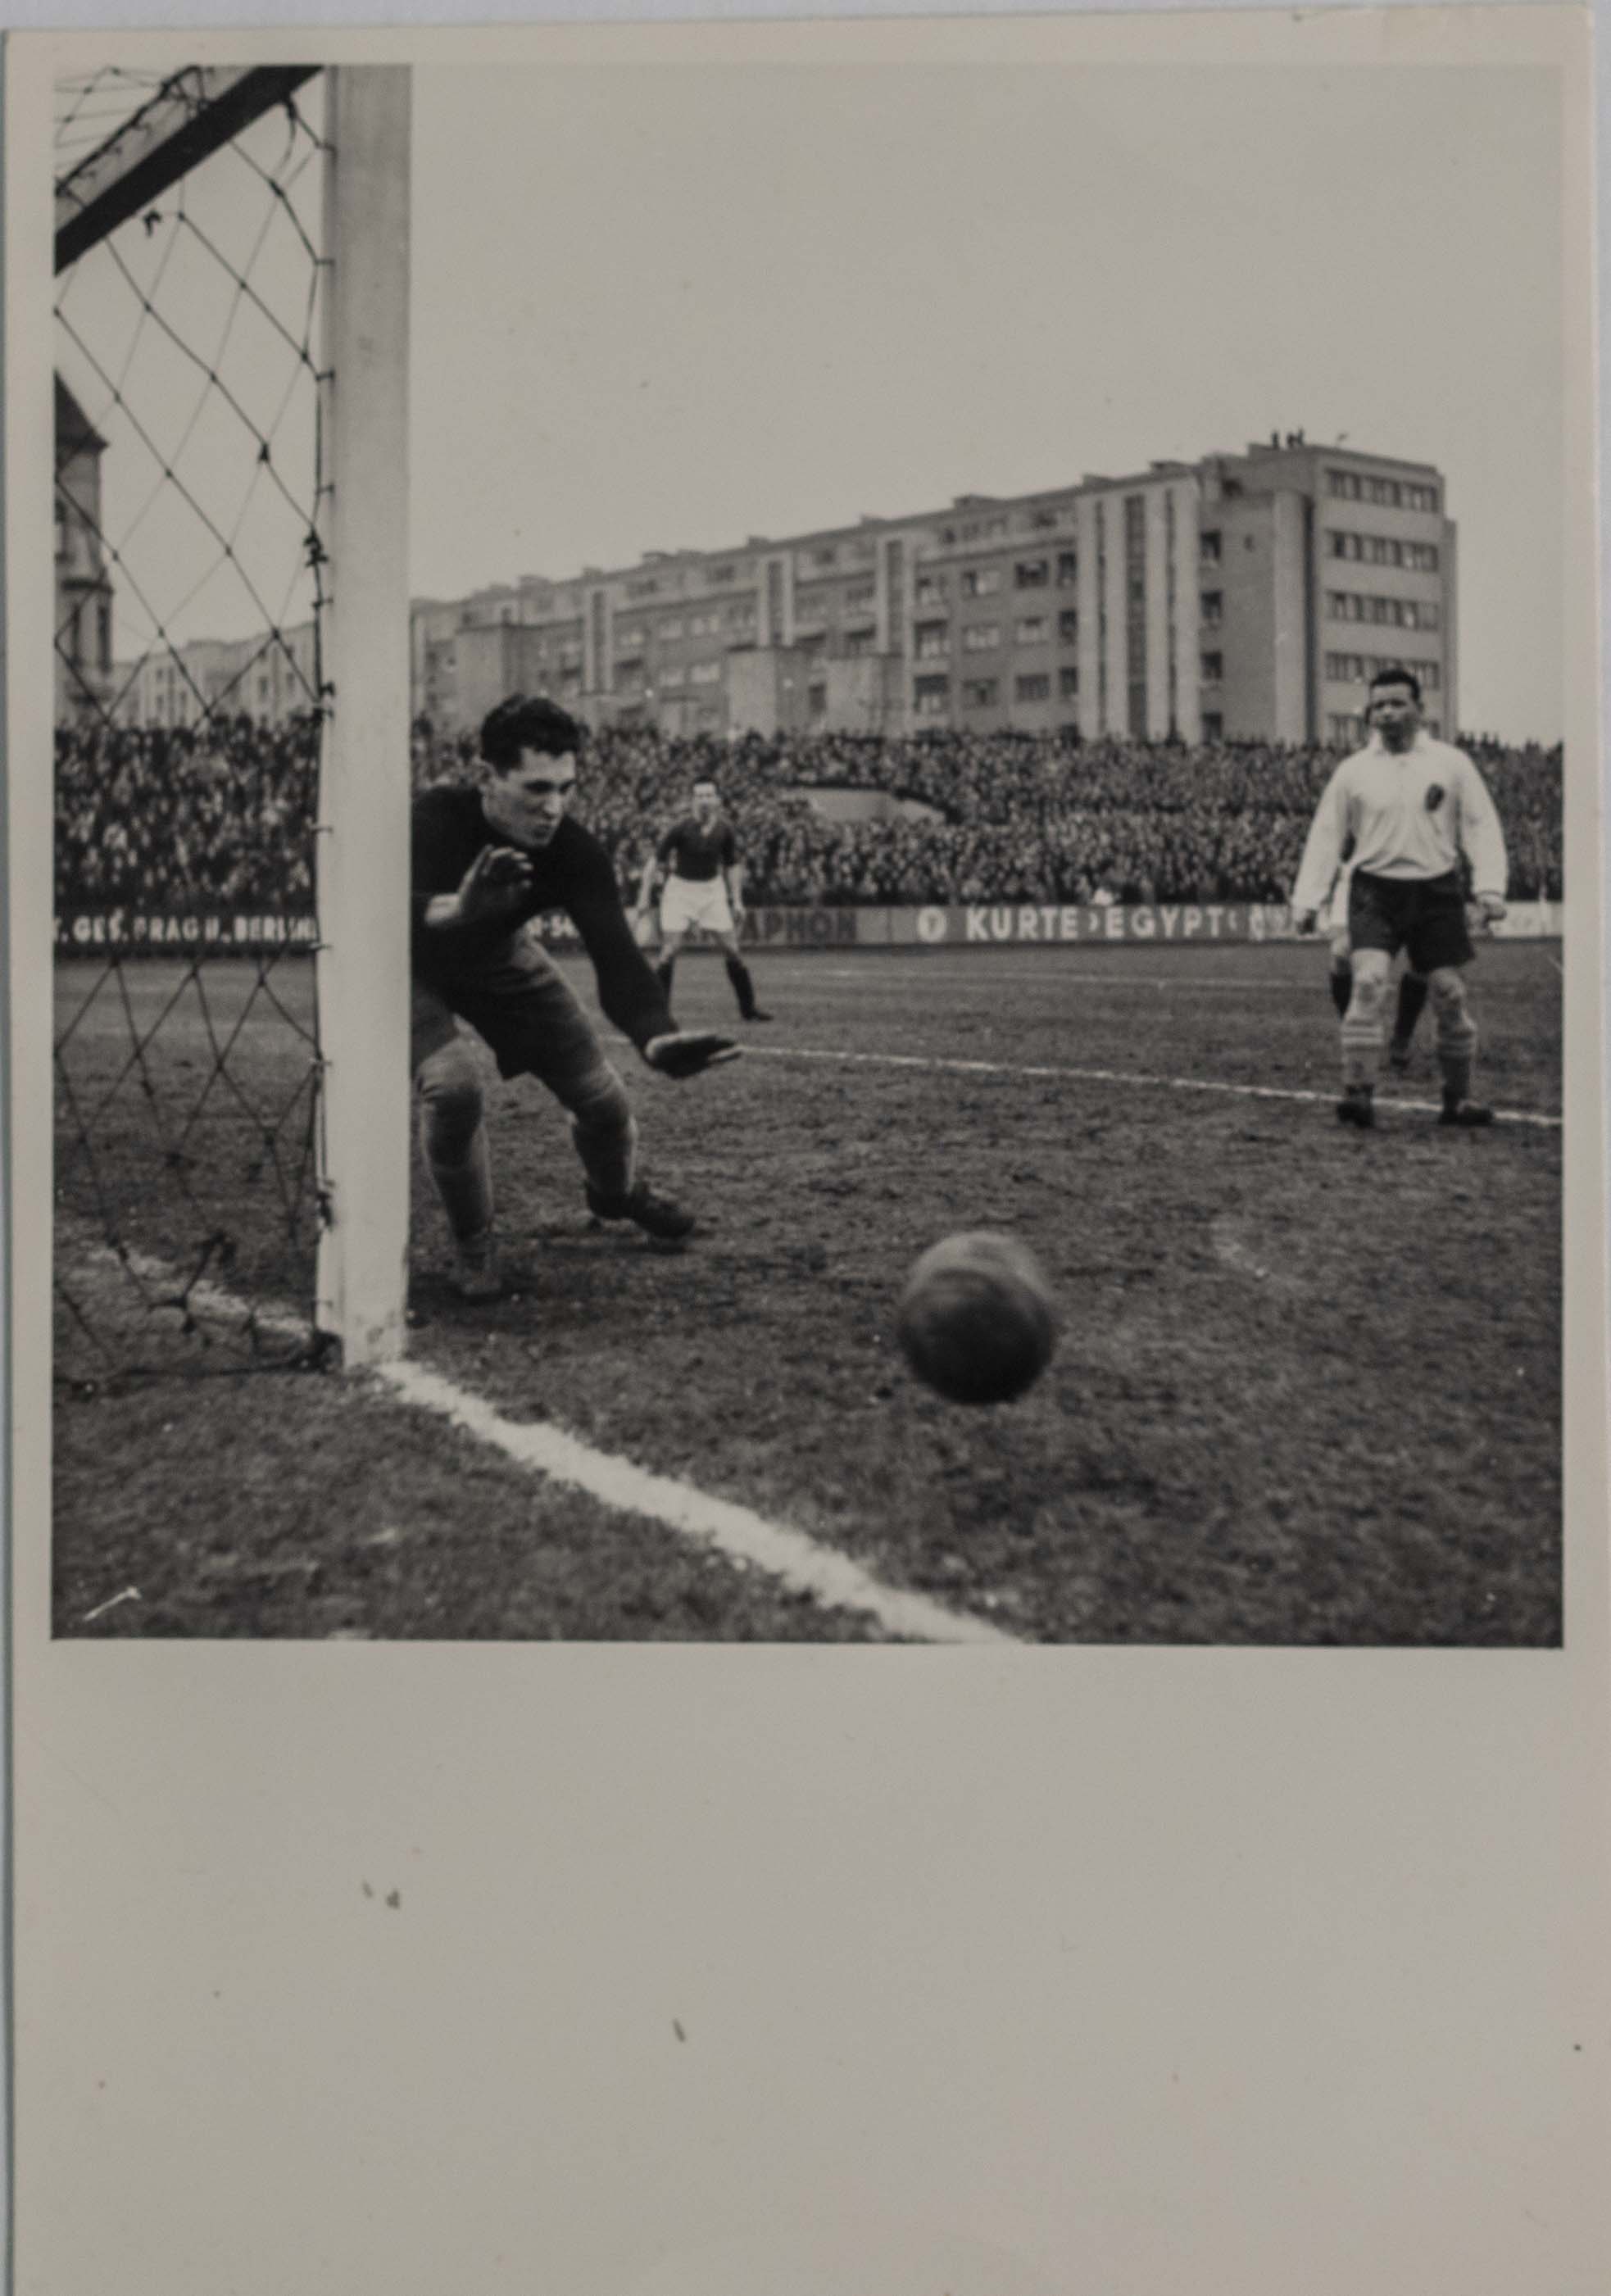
[1406, 808]
[697, 863]
[486, 861]
[1412, 985]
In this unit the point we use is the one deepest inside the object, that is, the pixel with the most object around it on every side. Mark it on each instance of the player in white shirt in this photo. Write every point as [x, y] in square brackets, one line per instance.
[1406, 809]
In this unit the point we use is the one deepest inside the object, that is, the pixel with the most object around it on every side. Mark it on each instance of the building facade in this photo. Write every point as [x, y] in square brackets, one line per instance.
[267, 680]
[1244, 597]
[84, 595]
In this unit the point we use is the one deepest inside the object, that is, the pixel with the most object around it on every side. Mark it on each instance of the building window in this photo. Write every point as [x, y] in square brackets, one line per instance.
[1212, 669]
[933, 640]
[1031, 573]
[1068, 626]
[670, 629]
[1068, 569]
[981, 638]
[1041, 518]
[817, 701]
[982, 582]
[1208, 548]
[857, 643]
[705, 673]
[1213, 609]
[981, 692]
[828, 557]
[858, 594]
[1031, 629]
[672, 675]
[931, 696]
[931, 589]
[1034, 688]
[1068, 680]
[1213, 725]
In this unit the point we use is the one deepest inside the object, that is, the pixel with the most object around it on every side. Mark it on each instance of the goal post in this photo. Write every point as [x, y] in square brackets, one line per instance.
[362, 845]
[230, 670]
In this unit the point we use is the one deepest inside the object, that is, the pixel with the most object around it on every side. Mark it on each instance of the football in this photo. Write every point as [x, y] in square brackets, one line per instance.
[976, 1318]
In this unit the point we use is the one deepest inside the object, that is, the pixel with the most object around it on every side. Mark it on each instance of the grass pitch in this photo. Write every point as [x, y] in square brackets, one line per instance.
[1308, 1389]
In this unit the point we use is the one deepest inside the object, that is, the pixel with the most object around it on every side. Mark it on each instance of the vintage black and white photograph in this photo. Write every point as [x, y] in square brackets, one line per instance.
[809, 865]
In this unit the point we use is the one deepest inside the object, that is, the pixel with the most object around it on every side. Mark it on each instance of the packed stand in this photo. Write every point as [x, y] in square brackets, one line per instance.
[181, 818]
[221, 815]
[1010, 817]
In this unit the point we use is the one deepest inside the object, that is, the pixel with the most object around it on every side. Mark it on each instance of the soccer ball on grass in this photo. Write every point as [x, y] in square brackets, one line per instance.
[976, 1319]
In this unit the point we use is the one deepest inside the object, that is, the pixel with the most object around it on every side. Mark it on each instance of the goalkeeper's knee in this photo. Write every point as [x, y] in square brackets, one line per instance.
[451, 1104]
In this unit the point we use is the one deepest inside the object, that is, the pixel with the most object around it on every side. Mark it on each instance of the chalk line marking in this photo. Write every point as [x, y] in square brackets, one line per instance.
[1114, 1075]
[734, 1530]
[737, 1532]
[998, 972]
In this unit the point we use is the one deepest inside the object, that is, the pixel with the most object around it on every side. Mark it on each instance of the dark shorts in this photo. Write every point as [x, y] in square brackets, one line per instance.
[519, 1003]
[1425, 916]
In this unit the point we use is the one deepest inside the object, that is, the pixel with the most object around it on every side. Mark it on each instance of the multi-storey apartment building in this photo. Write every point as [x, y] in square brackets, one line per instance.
[267, 680]
[1246, 596]
[84, 597]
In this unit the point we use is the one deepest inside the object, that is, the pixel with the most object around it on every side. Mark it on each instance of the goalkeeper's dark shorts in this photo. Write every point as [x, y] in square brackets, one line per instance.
[519, 1003]
[1425, 916]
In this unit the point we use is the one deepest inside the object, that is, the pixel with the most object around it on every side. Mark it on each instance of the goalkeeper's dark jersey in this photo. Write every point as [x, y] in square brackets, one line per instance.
[696, 853]
[572, 873]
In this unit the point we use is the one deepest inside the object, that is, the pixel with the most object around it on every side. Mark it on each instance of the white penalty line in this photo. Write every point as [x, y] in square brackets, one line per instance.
[541, 1448]
[1114, 1075]
[734, 1531]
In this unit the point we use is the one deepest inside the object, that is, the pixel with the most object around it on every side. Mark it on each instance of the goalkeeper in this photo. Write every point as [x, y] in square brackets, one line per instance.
[485, 862]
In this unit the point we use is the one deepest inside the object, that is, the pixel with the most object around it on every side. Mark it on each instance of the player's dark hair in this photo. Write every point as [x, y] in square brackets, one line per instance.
[1396, 678]
[527, 722]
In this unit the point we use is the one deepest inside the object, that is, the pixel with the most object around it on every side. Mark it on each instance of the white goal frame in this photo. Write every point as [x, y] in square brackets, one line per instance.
[362, 519]
[364, 784]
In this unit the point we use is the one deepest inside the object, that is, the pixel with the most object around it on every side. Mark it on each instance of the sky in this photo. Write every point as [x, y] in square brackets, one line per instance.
[673, 306]
[666, 307]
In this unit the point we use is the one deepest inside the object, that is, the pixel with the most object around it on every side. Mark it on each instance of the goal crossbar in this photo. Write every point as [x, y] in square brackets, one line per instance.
[194, 115]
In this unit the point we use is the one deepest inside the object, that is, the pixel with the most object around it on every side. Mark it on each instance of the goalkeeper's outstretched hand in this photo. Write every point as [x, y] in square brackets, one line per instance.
[689, 1052]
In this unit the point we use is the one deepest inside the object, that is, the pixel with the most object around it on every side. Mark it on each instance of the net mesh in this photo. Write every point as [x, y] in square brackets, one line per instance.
[191, 586]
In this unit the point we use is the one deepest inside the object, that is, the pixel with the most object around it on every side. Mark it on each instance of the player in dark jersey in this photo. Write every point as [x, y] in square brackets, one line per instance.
[702, 885]
[486, 861]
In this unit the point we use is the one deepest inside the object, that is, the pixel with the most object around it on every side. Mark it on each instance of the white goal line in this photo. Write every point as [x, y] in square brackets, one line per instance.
[793, 1558]
[1114, 1075]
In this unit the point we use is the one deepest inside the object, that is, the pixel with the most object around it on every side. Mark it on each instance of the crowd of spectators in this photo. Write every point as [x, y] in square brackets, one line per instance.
[222, 815]
[177, 818]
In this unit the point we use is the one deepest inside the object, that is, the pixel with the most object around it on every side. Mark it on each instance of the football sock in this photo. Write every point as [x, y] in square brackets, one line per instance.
[664, 972]
[605, 1133]
[1412, 996]
[1361, 1032]
[744, 987]
[462, 1178]
[1342, 988]
[1456, 1038]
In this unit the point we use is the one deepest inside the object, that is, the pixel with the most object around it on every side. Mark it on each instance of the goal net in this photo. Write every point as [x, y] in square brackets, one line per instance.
[213, 230]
